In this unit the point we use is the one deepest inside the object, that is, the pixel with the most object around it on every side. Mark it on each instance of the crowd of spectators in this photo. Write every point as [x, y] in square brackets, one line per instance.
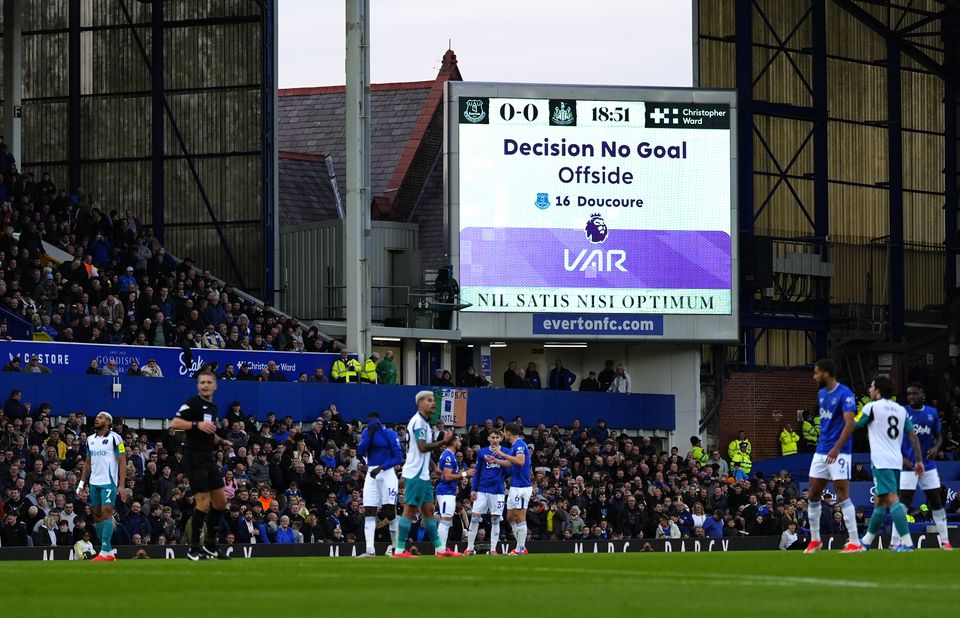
[560, 378]
[289, 484]
[120, 285]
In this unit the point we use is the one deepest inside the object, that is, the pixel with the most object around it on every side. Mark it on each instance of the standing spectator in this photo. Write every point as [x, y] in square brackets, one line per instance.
[13, 408]
[590, 383]
[368, 375]
[345, 369]
[621, 381]
[533, 376]
[126, 281]
[606, 376]
[510, 377]
[811, 431]
[151, 369]
[386, 369]
[788, 440]
[734, 446]
[212, 340]
[111, 309]
[561, 378]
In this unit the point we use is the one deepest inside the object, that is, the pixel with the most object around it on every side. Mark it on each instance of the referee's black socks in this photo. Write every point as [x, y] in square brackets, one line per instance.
[213, 522]
[196, 527]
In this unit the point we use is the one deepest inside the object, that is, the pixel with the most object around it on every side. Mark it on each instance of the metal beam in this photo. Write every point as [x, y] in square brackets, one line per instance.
[268, 159]
[158, 145]
[745, 190]
[950, 26]
[73, 107]
[12, 78]
[883, 30]
[181, 142]
[895, 159]
[357, 223]
[821, 180]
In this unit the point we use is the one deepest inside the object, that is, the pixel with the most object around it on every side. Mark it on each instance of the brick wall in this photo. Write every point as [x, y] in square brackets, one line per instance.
[749, 403]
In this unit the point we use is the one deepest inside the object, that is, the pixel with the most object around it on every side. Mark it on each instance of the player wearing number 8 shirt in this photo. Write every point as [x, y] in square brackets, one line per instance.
[197, 417]
[832, 460]
[887, 422]
[926, 422]
[487, 494]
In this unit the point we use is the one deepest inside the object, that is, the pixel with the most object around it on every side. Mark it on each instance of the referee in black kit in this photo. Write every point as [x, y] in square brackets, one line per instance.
[198, 417]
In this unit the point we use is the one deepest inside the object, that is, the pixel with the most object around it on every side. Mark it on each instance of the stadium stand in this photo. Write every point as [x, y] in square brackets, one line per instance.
[301, 483]
[120, 285]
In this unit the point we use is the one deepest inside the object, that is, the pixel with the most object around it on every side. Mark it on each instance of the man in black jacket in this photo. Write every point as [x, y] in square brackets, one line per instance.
[13, 533]
[13, 407]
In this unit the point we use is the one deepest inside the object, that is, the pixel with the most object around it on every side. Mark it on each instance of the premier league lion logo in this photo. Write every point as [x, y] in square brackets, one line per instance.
[596, 229]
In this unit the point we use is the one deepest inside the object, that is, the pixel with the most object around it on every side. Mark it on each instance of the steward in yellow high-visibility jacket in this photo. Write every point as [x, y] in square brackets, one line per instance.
[696, 451]
[369, 373]
[741, 457]
[734, 445]
[345, 369]
[788, 441]
[811, 430]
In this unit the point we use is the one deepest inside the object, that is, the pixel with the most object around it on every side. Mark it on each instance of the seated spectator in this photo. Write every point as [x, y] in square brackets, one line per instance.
[13, 365]
[318, 376]
[151, 369]
[110, 369]
[34, 366]
[93, 369]
[133, 369]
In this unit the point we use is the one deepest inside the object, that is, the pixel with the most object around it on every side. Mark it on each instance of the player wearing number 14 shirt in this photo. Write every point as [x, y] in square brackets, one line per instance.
[831, 462]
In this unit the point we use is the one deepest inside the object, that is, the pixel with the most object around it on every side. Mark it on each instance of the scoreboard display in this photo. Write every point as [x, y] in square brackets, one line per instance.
[576, 200]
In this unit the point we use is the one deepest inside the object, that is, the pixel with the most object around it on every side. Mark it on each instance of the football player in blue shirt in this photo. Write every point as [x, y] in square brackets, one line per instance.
[517, 458]
[448, 486]
[380, 447]
[487, 494]
[834, 455]
[926, 422]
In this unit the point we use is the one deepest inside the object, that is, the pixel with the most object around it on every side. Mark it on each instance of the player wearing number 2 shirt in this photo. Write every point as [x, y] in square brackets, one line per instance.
[831, 462]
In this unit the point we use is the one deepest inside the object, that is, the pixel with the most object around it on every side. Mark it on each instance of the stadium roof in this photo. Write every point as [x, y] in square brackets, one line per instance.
[405, 116]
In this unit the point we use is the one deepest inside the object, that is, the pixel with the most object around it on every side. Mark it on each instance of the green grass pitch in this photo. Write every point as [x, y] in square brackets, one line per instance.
[669, 584]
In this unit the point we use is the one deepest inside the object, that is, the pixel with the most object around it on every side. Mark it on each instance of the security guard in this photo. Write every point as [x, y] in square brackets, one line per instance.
[696, 451]
[742, 457]
[811, 430]
[788, 440]
[734, 446]
[345, 369]
[369, 373]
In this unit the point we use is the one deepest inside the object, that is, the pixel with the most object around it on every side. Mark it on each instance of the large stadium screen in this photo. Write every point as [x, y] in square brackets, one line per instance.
[571, 205]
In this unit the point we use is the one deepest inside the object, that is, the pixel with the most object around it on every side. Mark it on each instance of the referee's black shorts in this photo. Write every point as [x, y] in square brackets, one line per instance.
[202, 470]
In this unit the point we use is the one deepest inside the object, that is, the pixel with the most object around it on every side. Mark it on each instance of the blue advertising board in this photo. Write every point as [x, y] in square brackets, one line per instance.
[74, 358]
